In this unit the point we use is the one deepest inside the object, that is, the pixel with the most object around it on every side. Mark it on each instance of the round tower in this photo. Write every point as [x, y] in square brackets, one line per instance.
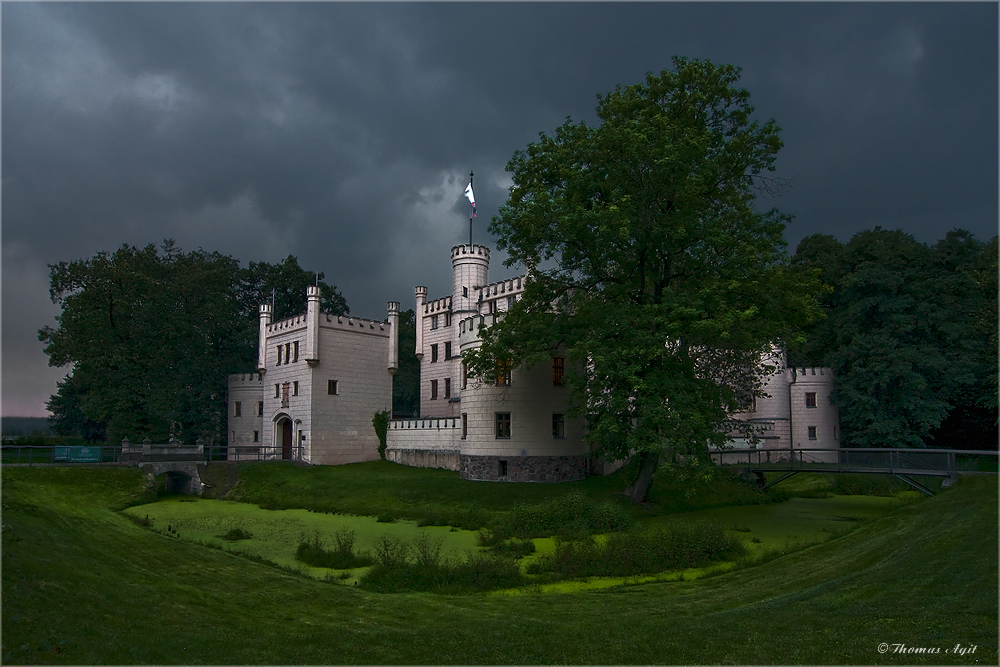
[470, 266]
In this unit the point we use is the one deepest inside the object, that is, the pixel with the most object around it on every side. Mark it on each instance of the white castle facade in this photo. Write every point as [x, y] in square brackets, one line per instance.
[322, 377]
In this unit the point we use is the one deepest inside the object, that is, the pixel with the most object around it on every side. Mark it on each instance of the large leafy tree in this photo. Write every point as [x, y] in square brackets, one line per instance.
[650, 263]
[911, 335]
[151, 335]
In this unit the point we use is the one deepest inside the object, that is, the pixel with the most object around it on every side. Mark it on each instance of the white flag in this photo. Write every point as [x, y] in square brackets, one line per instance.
[471, 197]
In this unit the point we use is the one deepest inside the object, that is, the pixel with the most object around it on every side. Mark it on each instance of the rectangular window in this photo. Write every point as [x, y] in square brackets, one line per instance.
[434, 390]
[288, 353]
[465, 425]
[277, 390]
[434, 322]
[465, 291]
[447, 387]
[295, 388]
[465, 376]
[260, 408]
[503, 425]
[434, 353]
[256, 436]
[331, 387]
[295, 351]
[503, 373]
[279, 356]
[285, 388]
[510, 302]
[558, 364]
[501, 469]
[811, 399]
[558, 426]
[238, 409]
[447, 319]
[447, 350]
[812, 432]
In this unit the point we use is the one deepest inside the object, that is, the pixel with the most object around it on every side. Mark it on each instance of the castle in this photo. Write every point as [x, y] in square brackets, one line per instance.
[320, 378]
[514, 427]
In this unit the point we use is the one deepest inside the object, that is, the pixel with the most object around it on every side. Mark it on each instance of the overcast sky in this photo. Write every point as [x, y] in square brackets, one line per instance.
[344, 134]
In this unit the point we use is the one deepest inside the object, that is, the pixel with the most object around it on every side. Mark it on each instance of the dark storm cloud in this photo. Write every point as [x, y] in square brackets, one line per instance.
[344, 133]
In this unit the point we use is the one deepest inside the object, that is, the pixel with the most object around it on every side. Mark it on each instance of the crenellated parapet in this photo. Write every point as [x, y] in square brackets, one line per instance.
[438, 305]
[465, 251]
[357, 324]
[468, 330]
[289, 324]
[812, 375]
[246, 380]
[501, 287]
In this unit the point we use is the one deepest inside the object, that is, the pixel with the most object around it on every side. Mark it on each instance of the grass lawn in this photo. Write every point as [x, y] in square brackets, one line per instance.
[83, 584]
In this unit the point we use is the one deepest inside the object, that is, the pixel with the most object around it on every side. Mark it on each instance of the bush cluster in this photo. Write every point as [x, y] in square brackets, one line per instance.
[572, 514]
[313, 551]
[666, 547]
[235, 534]
[465, 574]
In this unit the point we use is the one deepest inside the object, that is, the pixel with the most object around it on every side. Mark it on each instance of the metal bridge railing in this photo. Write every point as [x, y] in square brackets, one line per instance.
[888, 460]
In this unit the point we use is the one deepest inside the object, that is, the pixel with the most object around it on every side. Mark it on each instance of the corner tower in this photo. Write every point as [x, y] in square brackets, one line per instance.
[470, 267]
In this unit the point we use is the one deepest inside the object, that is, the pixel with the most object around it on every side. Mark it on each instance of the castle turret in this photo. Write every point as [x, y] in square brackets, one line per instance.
[421, 294]
[265, 320]
[393, 307]
[312, 325]
[470, 265]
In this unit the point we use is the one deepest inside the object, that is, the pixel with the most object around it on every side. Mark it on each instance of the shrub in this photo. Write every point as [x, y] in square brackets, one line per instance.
[571, 515]
[427, 550]
[391, 551]
[667, 547]
[235, 534]
[470, 574]
[314, 552]
[380, 420]
[512, 547]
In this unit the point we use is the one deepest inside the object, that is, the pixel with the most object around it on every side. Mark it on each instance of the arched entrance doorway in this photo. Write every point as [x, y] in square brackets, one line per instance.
[285, 432]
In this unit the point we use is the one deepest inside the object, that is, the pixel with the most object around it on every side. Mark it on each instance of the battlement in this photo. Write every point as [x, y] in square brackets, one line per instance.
[246, 380]
[813, 375]
[436, 423]
[468, 329]
[473, 252]
[294, 322]
[357, 324]
[437, 305]
[501, 287]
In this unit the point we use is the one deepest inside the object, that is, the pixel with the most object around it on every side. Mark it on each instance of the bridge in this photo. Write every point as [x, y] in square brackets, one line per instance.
[902, 464]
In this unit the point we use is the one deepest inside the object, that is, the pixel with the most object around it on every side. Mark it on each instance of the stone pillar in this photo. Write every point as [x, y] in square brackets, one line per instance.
[393, 308]
[421, 295]
[312, 325]
[265, 321]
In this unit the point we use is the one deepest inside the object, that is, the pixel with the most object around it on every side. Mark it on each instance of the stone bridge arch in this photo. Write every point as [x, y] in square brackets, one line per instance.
[182, 477]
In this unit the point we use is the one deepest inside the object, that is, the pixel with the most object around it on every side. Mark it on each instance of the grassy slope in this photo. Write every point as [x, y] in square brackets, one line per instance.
[79, 576]
[388, 489]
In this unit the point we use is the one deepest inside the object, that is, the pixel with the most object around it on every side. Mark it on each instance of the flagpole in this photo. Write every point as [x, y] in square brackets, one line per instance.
[471, 174]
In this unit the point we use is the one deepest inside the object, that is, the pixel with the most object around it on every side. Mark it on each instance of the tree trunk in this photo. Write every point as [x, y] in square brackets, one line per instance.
[639, 490]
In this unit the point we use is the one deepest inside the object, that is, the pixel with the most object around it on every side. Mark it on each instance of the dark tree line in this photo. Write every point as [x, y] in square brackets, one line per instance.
[911, 333]
[152, 334]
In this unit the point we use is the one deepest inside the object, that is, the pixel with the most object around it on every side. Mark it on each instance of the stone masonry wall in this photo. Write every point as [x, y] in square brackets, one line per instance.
[524, 468]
